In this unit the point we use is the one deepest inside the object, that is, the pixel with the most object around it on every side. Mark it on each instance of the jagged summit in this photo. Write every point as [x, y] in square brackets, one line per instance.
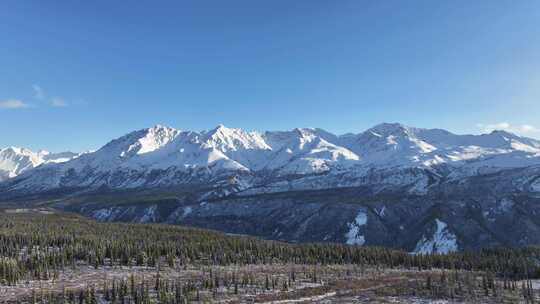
[164, 155]
[389, 128]
[15, 160]
[227, 139]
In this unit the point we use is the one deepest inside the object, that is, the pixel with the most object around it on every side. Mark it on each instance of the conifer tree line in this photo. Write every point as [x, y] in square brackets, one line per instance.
[40, 247]
[475, 287]
[210, 287]
[144, 290]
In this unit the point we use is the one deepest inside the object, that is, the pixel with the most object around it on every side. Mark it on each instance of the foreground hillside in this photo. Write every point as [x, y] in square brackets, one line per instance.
[54, 258]
[491, 210]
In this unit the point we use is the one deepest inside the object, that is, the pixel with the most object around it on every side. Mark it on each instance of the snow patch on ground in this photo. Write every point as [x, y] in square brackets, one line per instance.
[305, 299]
[505, 205]
[442, 241]
[187, 211]
[487, 216]
[149, 214]
[353, 236]
[535, 187]
[415, 300]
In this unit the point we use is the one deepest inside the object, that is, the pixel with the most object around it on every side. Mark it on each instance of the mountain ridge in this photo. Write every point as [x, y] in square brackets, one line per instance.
[423, 190]
[16, 160]
[301, 151]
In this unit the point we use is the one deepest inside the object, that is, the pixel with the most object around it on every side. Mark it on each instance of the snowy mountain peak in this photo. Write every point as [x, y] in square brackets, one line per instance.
[220, 127]
[14, 160]
[305, 132]
[140, 142]
[43, 153]
[389, 144]
[142, 156]
[393, 132]
[155, 138]
[513, 138]
[386, 129]
[229, 139]
[503, 133]
[17, 150]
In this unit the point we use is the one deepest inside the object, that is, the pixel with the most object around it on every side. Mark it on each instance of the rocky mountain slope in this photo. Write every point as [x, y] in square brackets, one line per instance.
[424, 190]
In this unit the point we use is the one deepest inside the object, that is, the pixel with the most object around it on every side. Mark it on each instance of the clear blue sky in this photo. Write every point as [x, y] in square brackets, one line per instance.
[75, 74]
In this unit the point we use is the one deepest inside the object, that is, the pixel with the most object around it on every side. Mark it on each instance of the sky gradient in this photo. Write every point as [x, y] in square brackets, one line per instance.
[76, 74]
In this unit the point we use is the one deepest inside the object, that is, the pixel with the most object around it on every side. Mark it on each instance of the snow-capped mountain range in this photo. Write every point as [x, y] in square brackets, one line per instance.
[163, 156]
[14, 161]
[422, 190]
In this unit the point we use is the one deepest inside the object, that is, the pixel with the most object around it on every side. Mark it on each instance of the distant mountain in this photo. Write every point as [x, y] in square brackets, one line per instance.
[396, 144]
[425, 190]
[14, 161]
[163, 156]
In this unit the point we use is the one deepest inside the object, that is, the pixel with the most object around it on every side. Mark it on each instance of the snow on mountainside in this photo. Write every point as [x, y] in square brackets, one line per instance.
[246, 148]
[389, 145]
[442, 241]
[398, 145]
[303, 151]
[387, 154]
[14, 161]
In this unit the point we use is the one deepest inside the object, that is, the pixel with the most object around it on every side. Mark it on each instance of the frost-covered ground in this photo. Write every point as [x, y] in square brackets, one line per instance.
[332, 284]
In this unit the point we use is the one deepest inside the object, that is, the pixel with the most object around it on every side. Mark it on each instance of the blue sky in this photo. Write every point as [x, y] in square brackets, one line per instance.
[76, 74]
